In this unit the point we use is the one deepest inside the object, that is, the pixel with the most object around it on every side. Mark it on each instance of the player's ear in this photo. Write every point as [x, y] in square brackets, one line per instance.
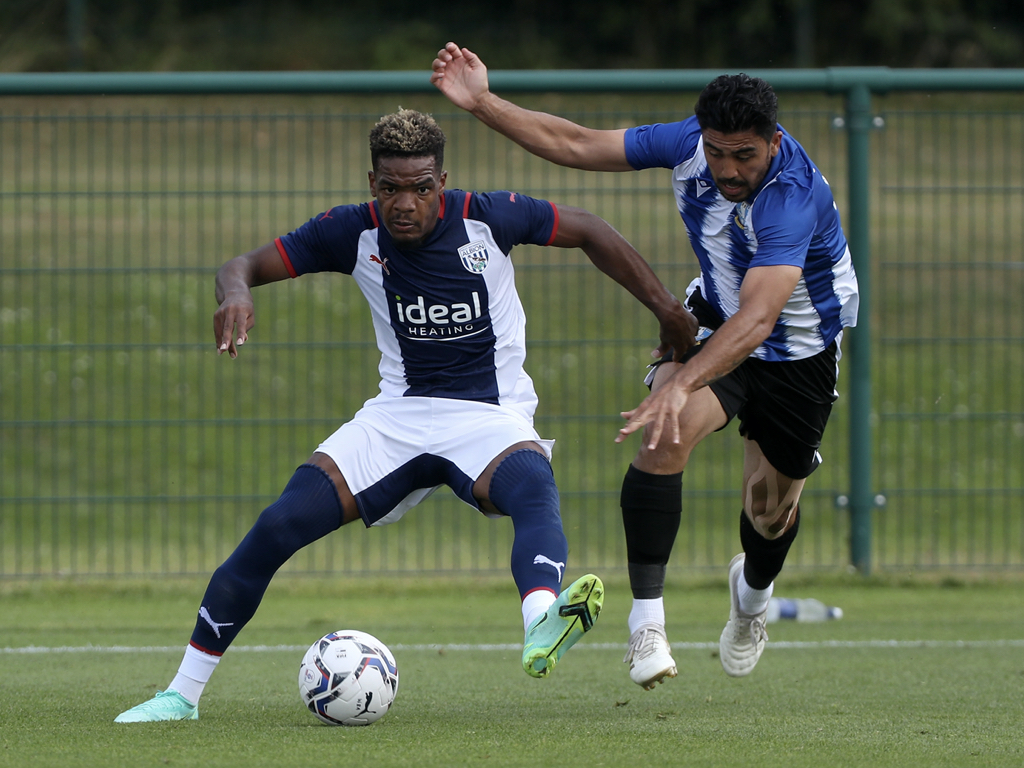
[373, 183]
[441, 181]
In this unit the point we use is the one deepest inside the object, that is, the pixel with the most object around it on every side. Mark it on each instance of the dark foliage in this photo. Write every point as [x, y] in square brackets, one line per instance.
[516, 34]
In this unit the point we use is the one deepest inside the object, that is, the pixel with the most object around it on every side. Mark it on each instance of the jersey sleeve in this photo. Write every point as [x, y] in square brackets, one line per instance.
[327, 242]
[514, 219]
[784, 220]
[661, 145]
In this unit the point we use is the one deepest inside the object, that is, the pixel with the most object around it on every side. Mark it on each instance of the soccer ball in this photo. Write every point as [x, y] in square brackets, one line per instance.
[348, 678]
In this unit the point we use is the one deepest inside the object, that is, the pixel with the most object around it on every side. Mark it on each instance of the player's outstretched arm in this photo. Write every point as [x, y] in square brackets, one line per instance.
[612, 254]
[236, 316]
[763, 294]
[461, 76]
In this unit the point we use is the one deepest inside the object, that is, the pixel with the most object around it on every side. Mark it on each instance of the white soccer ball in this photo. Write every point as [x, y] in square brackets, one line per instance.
[348, 678]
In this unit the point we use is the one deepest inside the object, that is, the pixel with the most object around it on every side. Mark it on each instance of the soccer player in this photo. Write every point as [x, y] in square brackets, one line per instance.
[455, 406]
[776, 288]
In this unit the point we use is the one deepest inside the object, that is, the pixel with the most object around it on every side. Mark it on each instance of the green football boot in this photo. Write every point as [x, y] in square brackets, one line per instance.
[166, 705]
[567, 619]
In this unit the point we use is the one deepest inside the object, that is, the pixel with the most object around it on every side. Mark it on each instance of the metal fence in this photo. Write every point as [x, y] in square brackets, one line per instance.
[128, 447]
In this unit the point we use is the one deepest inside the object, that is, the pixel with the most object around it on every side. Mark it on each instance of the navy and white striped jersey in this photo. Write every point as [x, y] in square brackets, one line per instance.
[790, 219]
[447, 317]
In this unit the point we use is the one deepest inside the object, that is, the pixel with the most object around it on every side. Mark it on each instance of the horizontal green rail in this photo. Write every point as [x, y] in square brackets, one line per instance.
[831, 80]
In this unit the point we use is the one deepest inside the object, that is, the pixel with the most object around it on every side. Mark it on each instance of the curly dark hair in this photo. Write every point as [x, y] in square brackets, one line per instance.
[737, 103]
[406, 133]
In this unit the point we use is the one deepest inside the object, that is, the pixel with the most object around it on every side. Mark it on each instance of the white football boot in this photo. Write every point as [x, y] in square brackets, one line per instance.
[744, 636]
[649, 657]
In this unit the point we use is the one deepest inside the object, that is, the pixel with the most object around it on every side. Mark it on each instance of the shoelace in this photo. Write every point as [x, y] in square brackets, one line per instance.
[758, 632]
[642, 645]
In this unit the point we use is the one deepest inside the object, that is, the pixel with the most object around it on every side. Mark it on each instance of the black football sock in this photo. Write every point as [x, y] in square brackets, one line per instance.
[764, 556]
[652, 507]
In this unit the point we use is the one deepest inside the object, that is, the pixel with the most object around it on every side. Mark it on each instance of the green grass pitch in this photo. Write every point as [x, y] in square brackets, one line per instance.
[915, 674]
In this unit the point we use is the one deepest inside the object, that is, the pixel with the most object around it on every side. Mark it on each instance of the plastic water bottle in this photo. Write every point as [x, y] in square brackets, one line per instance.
[805, 609]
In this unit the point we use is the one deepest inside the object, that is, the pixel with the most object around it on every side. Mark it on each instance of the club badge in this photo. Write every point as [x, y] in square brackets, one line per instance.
[474, 256]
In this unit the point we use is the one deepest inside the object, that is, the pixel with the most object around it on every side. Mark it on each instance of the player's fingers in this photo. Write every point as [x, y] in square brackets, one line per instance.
[676, 431]
[655, 428]
[223, 327]
[635, 419]
[243, 328]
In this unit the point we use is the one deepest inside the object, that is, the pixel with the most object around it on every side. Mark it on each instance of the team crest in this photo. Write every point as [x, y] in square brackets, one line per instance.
[474, 256]
[743, 215]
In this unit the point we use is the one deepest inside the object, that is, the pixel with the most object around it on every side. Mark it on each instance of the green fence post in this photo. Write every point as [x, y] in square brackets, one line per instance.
[858, 122]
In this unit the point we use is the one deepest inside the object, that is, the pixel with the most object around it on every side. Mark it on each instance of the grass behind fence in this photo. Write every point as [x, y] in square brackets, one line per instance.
[127, 445]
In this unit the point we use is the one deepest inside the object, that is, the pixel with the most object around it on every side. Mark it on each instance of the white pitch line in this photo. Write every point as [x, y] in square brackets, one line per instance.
[783, 645]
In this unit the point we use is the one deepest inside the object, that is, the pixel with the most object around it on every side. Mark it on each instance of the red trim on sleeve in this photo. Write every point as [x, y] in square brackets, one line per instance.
[288, 265]
[373, 214]
[207, 651]
[465, 205]
[554, 229]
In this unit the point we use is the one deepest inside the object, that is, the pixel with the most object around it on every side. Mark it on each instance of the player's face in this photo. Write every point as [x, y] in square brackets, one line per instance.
[739, 161]
[408, 192]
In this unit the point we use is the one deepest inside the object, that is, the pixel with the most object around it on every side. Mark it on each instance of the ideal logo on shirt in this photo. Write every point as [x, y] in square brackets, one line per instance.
[439, 320]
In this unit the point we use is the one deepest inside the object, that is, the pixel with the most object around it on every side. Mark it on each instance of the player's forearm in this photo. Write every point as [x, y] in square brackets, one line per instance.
[615, 257]
[725, 350]
[258, 267]
[550, 137]
[234, 276]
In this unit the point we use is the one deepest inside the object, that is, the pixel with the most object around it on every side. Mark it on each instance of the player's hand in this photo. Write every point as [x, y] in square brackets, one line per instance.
[460, 75]
[678, 332]
[660, 409]
[231, 323]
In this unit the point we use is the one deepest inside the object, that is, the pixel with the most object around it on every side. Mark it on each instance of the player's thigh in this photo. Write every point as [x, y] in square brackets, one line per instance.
[380, 441]
[770, 498]
[702, 415]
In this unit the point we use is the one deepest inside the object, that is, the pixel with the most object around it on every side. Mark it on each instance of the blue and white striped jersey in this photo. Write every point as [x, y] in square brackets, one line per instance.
[447, 317]
[790, 219]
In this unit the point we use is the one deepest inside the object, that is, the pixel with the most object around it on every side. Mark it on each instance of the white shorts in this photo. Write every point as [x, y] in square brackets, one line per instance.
[394, 453]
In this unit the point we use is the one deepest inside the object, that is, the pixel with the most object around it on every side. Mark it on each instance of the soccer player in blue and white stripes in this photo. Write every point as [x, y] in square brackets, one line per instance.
[776, 289]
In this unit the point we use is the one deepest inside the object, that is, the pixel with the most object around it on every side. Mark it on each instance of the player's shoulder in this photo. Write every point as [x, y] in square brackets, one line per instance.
[350, 215]
[792, 176]
[666, 145]
[499, 203]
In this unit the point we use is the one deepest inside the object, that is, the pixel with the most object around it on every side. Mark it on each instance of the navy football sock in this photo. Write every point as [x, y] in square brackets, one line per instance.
[523, 487]
[308, 509]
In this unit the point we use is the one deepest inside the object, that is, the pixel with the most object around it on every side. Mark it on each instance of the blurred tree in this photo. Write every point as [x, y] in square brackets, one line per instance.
[517, 34]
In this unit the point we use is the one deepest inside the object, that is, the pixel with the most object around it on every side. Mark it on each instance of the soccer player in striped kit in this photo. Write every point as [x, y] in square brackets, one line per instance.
[455, 405]
[776, 289]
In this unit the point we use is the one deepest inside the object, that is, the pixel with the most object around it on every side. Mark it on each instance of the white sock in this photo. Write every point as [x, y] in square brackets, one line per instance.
[534, 604]
[194, 673]
[650, 611]
[753, 601]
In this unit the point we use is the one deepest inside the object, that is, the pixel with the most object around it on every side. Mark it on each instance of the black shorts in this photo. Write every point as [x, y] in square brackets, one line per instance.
[782, 406]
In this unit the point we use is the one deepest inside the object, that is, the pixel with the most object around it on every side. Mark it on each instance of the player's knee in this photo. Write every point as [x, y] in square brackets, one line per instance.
[771, 522]
[307, 509]
[523, 485]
